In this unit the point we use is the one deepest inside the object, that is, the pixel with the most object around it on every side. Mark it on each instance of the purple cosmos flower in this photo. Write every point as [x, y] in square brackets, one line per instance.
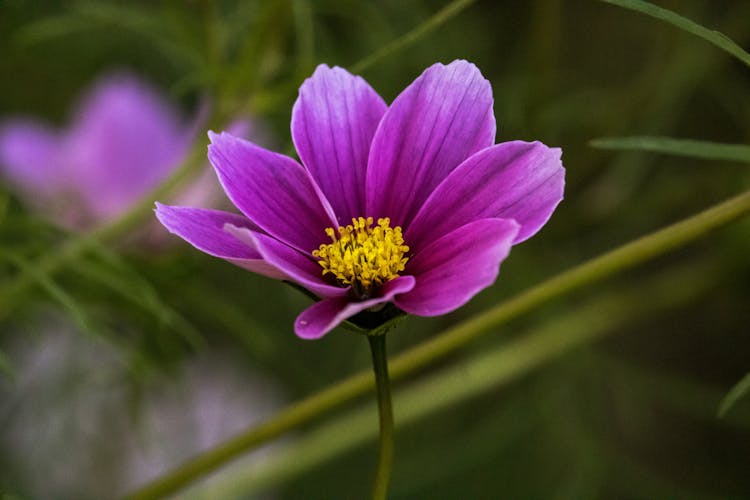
[123, 141]
[411, 204]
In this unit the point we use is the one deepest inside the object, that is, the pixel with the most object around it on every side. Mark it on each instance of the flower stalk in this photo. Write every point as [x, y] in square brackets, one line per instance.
[592, 271]
[385, 412]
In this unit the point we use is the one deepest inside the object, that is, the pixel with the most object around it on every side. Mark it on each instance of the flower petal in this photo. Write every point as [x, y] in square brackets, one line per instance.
[436, 123]
[512, 180]
[295, 266]
[322, 317]
[272, 190]
[333, 122]
[30, 157]
[203, 229]
[454, 268]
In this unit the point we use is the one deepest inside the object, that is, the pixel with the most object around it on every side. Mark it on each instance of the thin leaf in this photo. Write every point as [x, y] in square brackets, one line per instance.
[51, 28]
[715, 37]
[146, 23]
[735, 394]
[53, 289]
[678, 147]
[139, 291]
[439, 18]
[132, 285]
[90, 16]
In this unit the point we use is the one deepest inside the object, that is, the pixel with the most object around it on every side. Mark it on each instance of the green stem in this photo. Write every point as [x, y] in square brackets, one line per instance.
[611, 263]
[478, 373]
[385, 412]
[435, 21]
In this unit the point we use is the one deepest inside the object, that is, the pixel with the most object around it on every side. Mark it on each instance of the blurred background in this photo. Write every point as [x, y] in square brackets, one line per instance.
[124, 351]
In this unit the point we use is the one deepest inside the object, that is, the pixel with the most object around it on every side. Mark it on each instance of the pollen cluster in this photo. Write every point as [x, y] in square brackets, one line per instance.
[362, 255]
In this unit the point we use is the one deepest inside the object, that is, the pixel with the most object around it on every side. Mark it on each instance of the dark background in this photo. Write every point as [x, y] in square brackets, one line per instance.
[632, 415]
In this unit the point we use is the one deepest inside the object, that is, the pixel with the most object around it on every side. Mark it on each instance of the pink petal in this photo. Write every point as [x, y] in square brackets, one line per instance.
[454, 268]
[272, 190]
[295, 266]
[322, 317]
[436, 123]
[333, 122]
[203, 229]
[513, 180]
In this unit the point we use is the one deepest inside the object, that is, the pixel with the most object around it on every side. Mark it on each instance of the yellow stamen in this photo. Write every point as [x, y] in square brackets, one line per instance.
[363, 256]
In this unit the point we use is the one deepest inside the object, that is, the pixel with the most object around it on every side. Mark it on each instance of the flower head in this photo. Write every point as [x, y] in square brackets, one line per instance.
[410, 204]
[123, 140]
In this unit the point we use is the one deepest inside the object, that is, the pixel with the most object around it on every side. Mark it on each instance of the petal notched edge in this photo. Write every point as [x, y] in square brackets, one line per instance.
[523, 181]
[437, 122]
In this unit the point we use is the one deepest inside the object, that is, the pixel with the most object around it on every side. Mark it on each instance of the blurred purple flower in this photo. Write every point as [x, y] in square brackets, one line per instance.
[124, 139]
[449, 203]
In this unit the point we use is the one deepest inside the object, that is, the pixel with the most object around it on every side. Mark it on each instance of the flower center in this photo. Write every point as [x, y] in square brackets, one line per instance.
[363, 256]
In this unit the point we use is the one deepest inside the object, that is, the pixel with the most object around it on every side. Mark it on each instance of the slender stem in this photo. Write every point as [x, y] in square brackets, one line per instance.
[718, 39]
[385, 412]
[609, 264]
[436, 20]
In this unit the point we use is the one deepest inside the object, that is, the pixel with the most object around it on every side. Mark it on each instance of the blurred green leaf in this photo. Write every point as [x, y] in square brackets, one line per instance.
[715, 37]
[4, 202]
[737, 392]
[305, 35]
[51, 28]
[130, 286]
[678, 147]
[76, 311]
[6, 367]
[439, 18]
[145, 22]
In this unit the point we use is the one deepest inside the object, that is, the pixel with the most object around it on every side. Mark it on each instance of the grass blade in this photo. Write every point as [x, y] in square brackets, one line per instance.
[438, 19]
[53, 289]
[715, 37]
[677, 147]
[740, 389]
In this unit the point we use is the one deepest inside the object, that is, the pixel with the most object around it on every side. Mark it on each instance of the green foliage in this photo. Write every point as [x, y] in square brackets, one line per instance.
[715, 37]
[678, 147]
[737, 392]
